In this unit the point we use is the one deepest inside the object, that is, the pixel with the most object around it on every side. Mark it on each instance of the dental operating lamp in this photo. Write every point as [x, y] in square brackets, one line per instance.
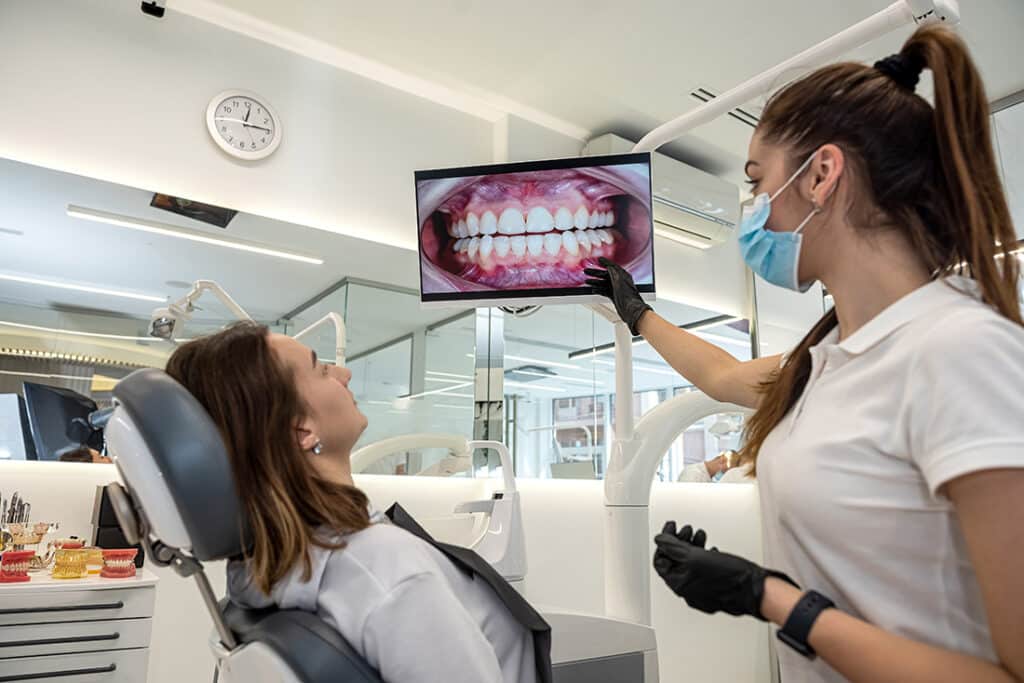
[164, 321]
[339, 329]
[638, 449]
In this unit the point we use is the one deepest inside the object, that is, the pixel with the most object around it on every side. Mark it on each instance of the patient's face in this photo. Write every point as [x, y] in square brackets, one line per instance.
[334, 417]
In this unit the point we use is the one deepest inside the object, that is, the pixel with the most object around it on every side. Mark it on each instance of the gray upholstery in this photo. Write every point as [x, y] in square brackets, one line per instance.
[192, 459]
[314, 651]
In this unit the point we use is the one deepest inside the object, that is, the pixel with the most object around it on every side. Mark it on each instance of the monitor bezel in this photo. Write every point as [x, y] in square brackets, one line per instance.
[527, 297]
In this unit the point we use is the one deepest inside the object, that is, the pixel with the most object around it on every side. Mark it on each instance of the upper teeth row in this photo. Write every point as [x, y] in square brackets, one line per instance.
[118, 564]
[538, 219]
[15, 567]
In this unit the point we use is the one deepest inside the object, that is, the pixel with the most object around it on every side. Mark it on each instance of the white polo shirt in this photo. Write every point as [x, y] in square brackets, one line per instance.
[928, 390]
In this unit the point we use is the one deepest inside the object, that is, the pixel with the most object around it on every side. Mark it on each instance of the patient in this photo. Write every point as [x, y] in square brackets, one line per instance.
[289, 423]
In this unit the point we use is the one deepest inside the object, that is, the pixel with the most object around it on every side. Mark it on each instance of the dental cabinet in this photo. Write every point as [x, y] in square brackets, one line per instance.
[91, 630]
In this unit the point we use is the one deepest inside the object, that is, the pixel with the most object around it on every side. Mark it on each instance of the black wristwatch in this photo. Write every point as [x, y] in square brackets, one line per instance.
[798, 625]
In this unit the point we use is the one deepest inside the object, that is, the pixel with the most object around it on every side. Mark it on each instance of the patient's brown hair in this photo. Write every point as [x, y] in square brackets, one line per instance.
[252, 399]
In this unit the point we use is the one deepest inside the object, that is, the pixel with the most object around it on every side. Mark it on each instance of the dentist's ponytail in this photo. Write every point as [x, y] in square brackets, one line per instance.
[981, 230]
[928, 172]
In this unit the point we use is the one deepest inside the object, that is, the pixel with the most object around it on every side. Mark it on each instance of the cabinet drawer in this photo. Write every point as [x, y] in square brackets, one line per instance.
[119, 666]
[43, 607]
[30, 640]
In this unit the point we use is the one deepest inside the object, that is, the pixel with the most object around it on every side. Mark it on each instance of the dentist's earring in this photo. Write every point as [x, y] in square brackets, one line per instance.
[318, 448]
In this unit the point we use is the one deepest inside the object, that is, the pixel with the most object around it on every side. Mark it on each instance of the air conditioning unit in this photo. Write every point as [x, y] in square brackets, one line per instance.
[690, 206]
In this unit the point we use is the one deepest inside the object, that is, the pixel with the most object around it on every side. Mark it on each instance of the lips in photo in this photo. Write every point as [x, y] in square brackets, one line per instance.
[534, 229]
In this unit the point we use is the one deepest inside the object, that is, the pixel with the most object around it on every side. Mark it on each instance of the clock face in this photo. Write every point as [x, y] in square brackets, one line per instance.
[243, 125]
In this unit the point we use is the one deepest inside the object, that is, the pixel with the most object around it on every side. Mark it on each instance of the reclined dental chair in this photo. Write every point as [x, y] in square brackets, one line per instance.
[179, 501]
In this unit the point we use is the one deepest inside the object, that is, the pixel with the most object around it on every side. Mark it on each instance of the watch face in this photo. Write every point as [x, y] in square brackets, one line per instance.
[244, 125]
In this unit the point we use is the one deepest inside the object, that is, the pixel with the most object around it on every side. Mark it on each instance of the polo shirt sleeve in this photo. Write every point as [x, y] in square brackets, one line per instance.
[966, 412]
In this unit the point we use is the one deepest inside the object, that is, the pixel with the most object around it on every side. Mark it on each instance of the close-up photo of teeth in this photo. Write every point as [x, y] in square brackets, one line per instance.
[535, 229]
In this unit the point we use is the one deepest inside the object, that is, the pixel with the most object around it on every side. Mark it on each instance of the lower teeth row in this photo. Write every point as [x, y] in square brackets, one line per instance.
[573, 242]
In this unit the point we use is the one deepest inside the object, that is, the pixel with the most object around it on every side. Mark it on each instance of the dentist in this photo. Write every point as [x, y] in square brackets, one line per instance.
[889, 444]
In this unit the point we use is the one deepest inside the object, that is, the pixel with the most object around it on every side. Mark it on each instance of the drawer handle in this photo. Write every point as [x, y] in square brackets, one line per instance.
[109, 668]
[61, 641]
[69, 608]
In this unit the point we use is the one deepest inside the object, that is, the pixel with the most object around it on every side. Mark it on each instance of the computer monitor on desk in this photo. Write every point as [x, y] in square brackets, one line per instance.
[50, 412]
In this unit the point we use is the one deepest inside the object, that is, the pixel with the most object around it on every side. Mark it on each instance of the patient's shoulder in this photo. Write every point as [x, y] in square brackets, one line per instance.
[382, 556]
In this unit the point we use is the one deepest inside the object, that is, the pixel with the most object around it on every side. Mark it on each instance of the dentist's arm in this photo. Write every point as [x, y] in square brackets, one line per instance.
[710, 368]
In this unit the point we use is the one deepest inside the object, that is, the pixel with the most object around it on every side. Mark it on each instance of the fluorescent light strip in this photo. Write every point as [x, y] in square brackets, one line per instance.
[436, 391]
[560, 378]
[453, 407]
[448, 374]
[527, 385]
[53, 330]
[168, 230]
[680, 238]
[639, 341]
[524, 359]
[45, 376]
[442, 380]
[80, 288]
[641, 368]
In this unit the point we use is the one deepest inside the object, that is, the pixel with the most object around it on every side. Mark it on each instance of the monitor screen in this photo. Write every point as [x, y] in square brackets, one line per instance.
[522, 233]
[50, 411]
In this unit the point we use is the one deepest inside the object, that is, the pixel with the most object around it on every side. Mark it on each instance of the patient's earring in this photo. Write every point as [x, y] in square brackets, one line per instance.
[318, 448]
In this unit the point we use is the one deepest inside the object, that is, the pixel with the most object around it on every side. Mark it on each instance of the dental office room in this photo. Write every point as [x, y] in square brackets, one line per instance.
[660, 342]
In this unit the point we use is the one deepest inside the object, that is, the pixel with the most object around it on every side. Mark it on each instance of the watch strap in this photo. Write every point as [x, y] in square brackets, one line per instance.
[798, 625]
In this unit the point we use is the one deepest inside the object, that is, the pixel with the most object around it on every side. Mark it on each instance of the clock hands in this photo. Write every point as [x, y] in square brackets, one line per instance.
[241, 121]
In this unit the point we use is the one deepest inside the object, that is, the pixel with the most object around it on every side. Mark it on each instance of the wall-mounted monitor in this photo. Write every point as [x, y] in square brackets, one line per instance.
[522, 233]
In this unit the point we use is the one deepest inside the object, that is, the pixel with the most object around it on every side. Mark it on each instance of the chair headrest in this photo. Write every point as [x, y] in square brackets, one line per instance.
[174, 462]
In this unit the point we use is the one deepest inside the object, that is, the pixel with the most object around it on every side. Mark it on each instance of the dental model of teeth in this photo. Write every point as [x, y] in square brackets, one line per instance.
[492, 240]
[14, 566]
[119, 564]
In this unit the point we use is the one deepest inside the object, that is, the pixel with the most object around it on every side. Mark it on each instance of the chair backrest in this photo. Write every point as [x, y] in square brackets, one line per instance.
[182, 497]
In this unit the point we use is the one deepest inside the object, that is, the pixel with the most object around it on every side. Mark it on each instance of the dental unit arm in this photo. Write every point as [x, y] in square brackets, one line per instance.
[503, 543]
[899, 13]
[339, 329]
[164, 321]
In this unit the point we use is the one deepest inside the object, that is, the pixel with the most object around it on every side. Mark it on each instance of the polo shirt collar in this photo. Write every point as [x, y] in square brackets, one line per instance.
[921, 302]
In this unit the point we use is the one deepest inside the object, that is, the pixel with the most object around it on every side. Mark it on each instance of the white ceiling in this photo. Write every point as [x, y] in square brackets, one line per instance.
[602, 65]
[52, 245]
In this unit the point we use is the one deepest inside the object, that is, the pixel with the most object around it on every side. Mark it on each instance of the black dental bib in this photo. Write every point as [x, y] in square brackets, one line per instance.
[477, 567]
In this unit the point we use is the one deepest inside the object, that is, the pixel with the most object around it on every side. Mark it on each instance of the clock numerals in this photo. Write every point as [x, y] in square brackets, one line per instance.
[242, 126]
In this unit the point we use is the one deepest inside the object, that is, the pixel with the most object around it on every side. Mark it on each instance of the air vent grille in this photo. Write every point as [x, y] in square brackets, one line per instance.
[742, 115]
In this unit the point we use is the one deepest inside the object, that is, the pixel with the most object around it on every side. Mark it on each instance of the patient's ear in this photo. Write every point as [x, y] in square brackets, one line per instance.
[305, 435]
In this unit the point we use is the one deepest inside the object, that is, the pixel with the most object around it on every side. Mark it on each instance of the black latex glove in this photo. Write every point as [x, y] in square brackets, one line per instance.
[617, 284]
[708, 580]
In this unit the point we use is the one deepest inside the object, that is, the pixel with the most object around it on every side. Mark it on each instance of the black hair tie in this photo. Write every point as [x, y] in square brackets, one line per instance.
[905, 71]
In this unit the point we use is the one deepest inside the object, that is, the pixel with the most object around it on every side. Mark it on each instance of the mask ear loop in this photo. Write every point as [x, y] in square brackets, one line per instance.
[796, 173]
[818, 208]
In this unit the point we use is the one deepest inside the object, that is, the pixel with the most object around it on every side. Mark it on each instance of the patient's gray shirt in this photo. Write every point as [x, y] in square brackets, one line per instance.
[411, 613]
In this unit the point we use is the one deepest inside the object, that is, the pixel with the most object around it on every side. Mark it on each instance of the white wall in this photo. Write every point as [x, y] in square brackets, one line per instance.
[784, 316]
[119, 96]
[564, 538]
[122, 97]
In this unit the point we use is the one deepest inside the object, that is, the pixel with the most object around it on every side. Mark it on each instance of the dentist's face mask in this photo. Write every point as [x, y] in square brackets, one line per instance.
[775, 256]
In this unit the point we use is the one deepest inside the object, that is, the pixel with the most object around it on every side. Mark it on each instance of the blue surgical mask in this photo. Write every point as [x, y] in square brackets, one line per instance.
[775, 256]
